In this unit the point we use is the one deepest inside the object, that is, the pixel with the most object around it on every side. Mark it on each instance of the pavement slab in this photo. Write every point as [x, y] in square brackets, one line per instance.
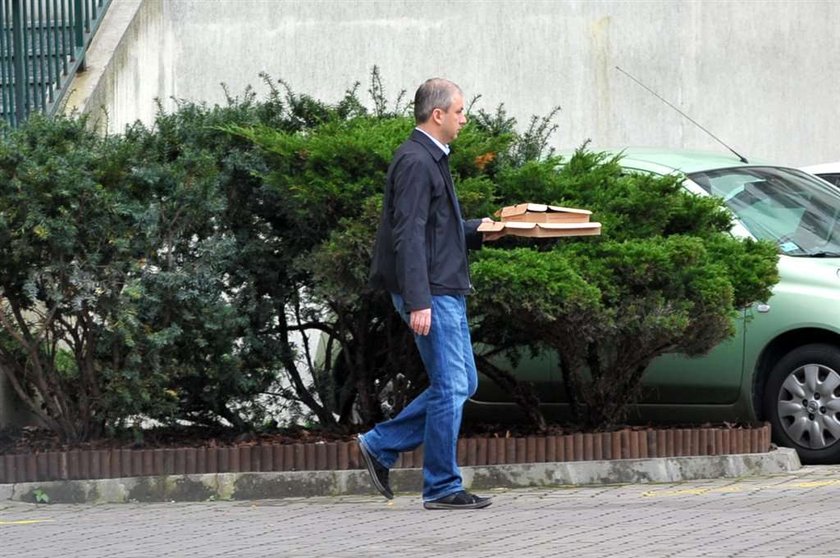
[771, 515]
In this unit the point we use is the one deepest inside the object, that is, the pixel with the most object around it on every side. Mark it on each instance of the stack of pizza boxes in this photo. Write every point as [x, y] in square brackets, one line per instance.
[538, 220]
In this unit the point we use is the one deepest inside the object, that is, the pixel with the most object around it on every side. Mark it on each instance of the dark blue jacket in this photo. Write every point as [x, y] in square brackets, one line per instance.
[421, 245]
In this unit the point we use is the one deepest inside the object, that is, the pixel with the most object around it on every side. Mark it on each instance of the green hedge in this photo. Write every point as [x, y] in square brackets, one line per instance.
[176, 272]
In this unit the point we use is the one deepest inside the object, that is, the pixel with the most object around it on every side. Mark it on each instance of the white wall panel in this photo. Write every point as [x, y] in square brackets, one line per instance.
[761, 75]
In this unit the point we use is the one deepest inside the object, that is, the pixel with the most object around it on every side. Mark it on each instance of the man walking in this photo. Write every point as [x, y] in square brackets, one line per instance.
[420, 257]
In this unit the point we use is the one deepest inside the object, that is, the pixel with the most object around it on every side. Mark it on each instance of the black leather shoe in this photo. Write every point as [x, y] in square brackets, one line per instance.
[462, 500]
[378, 473]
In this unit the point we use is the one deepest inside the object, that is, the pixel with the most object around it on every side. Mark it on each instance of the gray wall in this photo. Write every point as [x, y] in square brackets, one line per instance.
[761, 75]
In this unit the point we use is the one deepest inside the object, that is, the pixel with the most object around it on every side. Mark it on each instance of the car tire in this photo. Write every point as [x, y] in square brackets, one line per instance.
[802, 402]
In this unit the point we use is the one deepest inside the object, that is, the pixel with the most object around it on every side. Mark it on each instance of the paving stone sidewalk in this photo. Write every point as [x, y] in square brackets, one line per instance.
[787, 514]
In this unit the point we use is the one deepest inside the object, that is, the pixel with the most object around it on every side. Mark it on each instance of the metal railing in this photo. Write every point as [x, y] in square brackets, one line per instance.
[42, 46]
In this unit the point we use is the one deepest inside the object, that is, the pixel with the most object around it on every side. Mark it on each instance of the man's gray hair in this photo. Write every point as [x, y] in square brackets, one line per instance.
[434, 93]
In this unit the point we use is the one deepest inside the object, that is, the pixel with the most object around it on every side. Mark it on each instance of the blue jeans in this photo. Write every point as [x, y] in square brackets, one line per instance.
[448, 357]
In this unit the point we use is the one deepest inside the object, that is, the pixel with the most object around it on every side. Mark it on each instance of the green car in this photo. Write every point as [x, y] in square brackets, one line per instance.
[783, 364]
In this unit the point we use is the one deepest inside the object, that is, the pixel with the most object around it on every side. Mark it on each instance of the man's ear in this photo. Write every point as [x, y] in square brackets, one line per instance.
[437, 116]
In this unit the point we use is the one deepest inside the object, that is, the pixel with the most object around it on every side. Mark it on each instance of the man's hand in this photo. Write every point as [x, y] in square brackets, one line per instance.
[420, 321]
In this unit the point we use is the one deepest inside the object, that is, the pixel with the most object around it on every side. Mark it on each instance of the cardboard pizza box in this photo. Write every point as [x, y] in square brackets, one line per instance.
[539, 220]
[541, 230]
[542, 213]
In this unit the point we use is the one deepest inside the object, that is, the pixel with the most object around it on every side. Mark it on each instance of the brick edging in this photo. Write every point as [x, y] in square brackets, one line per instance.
[321, 456]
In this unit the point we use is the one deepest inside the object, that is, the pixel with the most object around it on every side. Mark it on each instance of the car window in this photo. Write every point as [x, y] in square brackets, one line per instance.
[786, 206]
[834, 178]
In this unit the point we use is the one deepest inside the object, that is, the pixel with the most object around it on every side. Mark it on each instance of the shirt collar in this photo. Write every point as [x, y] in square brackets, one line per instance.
[444, 148]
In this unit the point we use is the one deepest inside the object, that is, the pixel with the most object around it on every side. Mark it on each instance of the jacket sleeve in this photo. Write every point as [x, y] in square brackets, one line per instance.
[474, 239]
[412, 197]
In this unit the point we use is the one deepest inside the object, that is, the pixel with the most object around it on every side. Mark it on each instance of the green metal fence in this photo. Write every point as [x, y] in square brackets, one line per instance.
[42, 46]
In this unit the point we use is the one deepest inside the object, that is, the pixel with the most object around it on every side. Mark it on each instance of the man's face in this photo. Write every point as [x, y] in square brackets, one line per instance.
[453, 119]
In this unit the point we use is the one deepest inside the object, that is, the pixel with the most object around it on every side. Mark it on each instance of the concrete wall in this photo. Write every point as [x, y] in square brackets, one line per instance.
[761, 75]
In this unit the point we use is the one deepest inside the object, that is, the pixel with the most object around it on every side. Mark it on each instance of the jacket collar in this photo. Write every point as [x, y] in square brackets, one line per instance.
[426, 141]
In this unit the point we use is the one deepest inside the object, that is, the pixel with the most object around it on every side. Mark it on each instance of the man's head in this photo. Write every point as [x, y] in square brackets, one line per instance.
[439, 109]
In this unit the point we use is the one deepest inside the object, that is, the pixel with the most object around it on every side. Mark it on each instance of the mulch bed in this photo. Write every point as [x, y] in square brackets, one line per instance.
[34, 440]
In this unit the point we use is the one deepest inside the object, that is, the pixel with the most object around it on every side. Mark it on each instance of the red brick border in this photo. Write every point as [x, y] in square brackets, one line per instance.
[319, 456]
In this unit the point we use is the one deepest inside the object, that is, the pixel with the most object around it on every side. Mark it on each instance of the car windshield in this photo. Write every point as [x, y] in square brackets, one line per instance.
[797, 211]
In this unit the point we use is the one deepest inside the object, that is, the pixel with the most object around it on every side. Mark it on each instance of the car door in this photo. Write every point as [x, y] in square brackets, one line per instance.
[533, 369]
[713, 378]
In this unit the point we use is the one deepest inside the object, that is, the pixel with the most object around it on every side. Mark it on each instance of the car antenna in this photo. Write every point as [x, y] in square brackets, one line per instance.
[655, 94]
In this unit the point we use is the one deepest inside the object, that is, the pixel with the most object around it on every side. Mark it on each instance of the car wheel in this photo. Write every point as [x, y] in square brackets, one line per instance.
[802, 402]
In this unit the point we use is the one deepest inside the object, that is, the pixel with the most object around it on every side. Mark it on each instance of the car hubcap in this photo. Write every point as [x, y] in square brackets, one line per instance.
[809, 405]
